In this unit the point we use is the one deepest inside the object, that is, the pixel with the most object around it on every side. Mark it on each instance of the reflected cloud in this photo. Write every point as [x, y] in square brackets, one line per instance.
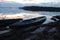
[20, 15]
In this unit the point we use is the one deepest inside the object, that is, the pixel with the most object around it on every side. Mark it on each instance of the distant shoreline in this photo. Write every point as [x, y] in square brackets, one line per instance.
[41, 8]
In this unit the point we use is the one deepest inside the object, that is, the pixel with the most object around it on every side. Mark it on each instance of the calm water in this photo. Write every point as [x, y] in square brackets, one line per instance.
[19, 13]
[25, 14]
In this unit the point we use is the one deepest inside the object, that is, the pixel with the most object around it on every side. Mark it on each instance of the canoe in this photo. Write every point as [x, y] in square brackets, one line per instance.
[26, 25]
[6, 22]
[41, 8]
[29, 22]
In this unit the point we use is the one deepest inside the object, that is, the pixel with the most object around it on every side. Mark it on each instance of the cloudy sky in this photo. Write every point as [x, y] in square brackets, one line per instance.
[32, 1]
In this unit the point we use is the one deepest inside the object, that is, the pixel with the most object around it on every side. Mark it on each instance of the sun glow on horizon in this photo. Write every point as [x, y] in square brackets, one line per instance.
[21, 15]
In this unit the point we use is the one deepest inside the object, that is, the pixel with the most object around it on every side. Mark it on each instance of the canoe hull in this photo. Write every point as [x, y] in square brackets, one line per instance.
[26, 24]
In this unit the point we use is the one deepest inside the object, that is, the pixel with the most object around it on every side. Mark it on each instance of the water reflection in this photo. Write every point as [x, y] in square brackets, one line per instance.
[20, 15]
[10, 10]
[27, 15]
[7, 13]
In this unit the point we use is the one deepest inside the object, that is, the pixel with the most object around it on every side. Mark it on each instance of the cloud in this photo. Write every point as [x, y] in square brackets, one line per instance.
[32, 1]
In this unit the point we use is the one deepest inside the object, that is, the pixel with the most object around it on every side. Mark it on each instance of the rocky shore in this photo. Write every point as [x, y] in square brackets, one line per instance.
[51, 31]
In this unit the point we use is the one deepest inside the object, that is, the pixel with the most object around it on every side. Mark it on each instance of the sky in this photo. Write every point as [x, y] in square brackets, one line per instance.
[33, 1]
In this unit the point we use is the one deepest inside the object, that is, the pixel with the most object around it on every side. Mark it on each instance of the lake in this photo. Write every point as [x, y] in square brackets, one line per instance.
[8, 13]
